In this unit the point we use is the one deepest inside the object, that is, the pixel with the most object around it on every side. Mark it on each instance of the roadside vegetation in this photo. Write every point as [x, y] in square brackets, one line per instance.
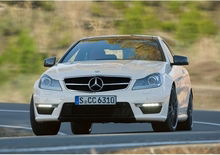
[10, 132]
[32, 31]
[174, 149]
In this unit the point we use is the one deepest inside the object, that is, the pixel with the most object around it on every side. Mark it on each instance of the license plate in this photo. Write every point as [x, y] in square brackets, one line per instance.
[95, 100]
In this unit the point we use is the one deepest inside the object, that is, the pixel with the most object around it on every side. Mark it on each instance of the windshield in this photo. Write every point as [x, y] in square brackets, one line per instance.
[114, 49]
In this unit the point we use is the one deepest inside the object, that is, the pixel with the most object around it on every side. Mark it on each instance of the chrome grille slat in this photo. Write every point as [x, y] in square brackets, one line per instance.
[111, 84]
[108, 84]
[77, 84]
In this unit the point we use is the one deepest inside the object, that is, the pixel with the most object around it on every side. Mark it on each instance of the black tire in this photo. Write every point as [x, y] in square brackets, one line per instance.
[42, 128]
[172, 117]
[81, 127]
[187, 124]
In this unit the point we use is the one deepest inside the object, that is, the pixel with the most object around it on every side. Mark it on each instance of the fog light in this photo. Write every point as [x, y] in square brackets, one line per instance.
[45, 105]
[150, 108]
[46, 109]
[151, 104]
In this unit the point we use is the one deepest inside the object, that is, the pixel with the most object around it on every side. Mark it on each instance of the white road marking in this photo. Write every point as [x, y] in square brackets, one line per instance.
[26, 128]
[21, 127]
[15, 127]
[60, 133]
[100, 146]
[6, 110]
[206, 123]
[63, 134]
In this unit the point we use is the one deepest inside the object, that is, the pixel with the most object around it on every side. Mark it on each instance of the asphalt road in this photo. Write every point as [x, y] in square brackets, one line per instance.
[104, 137]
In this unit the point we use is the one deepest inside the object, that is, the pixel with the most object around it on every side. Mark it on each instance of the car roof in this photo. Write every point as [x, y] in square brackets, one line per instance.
[133, 36]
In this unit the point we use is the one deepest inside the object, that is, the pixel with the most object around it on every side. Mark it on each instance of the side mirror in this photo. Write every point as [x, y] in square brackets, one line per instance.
[49, 62]
[180, 60]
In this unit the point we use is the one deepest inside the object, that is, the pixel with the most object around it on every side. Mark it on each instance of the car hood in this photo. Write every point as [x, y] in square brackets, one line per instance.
[131, 68]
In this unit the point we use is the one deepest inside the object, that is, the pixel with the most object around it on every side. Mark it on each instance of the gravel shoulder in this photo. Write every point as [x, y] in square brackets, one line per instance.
[177, 149]
[10, 132]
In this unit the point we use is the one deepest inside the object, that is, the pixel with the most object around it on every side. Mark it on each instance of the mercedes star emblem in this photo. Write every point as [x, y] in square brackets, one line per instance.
[95, 84]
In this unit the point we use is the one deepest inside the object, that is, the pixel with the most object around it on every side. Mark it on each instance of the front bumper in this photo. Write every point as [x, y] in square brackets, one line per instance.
[131, 97]
[121, 112]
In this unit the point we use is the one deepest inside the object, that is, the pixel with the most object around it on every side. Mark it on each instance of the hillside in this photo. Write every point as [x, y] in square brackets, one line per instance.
[32, 31]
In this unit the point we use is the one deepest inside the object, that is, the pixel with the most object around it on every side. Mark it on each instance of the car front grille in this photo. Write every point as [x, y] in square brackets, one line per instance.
[97, 83]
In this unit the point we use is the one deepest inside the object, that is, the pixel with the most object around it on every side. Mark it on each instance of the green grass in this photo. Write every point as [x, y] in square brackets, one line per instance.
[19, 89]
[10, 132]
[20, 57]
[187, 21]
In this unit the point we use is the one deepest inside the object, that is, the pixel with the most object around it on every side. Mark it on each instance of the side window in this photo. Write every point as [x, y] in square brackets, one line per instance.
[169, 51]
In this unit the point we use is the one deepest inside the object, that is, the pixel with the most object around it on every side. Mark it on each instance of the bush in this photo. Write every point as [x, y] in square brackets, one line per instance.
[138, 19]
[207, 27]
[45, 5]
[119, 4]
[8, 24]
[185, 20]
[174, 7]
[21, 55]
[97, 10]
[194, 24]
[168, 26]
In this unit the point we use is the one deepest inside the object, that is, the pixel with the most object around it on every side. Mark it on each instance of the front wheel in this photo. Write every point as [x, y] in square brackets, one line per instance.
[172, 117]
[187, 124]
[42, 128]
[81, 127]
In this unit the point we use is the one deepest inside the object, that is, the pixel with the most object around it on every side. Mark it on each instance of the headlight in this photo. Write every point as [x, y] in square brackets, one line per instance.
[48, 83]
[151, 81]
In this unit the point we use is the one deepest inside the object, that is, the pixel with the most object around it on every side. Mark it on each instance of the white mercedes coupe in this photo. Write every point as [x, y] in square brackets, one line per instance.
[118, 78]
